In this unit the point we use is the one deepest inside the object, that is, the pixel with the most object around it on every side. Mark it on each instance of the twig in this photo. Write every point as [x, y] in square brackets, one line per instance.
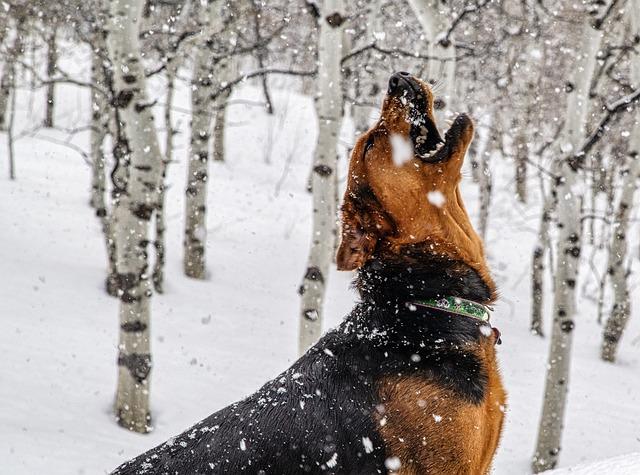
[611, 111]
[260, 72]
[445, 41]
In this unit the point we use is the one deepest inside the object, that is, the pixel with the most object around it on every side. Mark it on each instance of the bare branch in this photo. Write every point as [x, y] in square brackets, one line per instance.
[611, 111]
[260, 72]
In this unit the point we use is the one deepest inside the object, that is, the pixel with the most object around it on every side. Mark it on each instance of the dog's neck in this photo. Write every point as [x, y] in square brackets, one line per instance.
[392, 279]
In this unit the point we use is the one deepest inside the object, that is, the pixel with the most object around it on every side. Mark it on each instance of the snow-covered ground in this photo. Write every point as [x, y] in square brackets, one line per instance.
[218, 340]
[623, 465]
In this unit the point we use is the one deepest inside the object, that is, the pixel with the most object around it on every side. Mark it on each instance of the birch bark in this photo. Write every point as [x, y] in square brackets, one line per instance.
[329, 105]
[521, 154]
[97, 134]
[537, 265]
[486, 191]
[133, 211]
[202, 87]
[52, 60]
[441, 70]
[158, 266]
[621, 309]
[548, 446]
[616, 268]
[226, 71]
[9, 71]
[366, 85]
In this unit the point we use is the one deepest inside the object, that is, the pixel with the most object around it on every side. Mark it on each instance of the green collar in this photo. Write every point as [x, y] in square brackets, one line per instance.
[456, 305]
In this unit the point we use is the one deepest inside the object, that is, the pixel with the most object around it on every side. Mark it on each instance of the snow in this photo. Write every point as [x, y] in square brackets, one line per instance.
[623, 465]
[392, 463]
[436, 198]
[218, 340]
[401, 149]
[368, 445]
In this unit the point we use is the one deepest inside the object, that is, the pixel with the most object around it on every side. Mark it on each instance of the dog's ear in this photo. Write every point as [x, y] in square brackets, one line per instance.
[356, 245]
[355, 249]
[363, 224]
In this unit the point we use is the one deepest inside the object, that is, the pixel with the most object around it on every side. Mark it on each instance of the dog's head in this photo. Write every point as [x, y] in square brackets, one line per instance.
[403, 184]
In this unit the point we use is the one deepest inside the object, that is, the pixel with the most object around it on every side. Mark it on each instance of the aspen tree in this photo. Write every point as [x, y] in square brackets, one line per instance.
[329, 104]
[132, 214]
[548, 443]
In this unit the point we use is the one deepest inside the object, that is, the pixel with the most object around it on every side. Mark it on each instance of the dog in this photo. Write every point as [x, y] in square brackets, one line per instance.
[408, 383]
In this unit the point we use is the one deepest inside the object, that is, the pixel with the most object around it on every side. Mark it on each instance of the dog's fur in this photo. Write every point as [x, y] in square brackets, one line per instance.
[395, 388]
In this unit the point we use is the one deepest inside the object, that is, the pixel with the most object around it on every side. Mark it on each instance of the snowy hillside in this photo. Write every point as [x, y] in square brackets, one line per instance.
[218, 340]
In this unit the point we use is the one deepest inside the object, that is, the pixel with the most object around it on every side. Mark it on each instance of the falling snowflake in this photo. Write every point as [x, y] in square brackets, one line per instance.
[392, 463]
[401, 149]
[436, 198]
[368, 445]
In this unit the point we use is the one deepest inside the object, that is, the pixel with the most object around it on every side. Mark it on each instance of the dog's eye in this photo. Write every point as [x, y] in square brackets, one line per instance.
[368, 145]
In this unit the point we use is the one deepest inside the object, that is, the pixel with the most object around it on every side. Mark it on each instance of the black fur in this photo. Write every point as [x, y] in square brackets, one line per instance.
[317, 417]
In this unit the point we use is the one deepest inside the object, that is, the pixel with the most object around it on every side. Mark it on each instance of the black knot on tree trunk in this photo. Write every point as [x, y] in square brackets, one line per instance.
[323, 170]
[135, 326]
[127, 280]
[143, 211]
[310, 314]
[313, 273]
[139, 365]
[122, 100]
[567, 326]
[335, 19]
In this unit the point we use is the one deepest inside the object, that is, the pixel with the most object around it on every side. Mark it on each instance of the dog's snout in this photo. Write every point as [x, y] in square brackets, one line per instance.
[399, 82]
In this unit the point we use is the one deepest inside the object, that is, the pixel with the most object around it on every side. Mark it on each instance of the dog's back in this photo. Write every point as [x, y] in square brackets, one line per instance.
[330, 412]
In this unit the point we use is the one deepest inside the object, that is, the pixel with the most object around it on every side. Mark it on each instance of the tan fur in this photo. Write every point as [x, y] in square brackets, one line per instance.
[434, 432]
[401, 193]
[385, 209]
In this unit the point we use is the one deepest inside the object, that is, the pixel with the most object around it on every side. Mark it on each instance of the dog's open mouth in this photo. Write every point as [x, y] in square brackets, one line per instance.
[428, 144]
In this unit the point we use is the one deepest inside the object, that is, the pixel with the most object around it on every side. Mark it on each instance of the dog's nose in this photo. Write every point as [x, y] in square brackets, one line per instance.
[399, 81]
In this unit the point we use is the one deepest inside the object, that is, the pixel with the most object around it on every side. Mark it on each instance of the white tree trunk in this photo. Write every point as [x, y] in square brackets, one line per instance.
[368, 76]
[132, 214]
[618, 252]
[159, 244]
[97, 134]
[548, 444]
[486, 192]
[10, 130]
[329, 106]
[616, 268]
[9, 70]
[52, 60]
[202, 87]
[521, 146]
[226, 71]
[434, 19]
[537, 265]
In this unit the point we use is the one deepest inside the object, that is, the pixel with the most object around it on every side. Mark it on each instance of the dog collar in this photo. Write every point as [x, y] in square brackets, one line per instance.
[456, 305]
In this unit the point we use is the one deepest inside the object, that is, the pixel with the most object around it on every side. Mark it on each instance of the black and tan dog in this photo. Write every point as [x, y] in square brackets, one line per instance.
[408, 383]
